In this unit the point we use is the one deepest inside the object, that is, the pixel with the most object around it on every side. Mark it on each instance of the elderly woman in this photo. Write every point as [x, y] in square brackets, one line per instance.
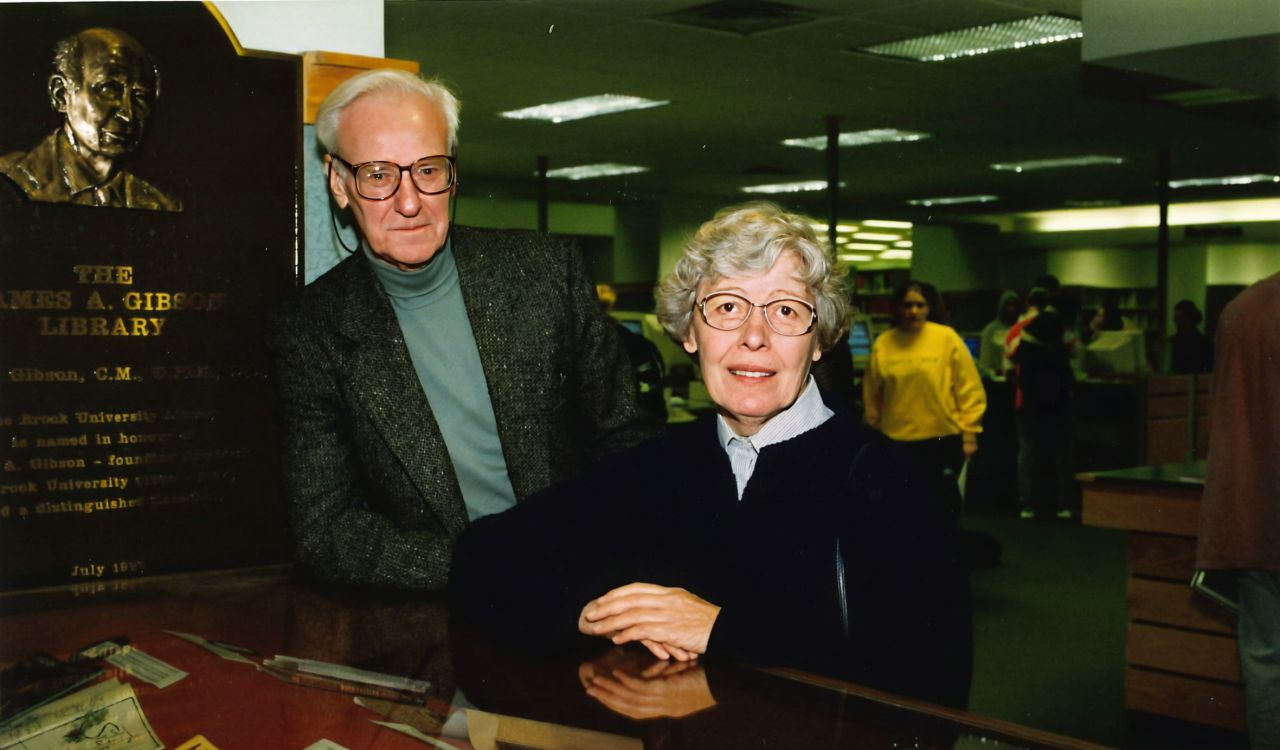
[776, 533]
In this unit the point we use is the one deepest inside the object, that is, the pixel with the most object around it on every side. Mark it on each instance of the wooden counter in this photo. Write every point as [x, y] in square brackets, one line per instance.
[1180, 648]
[601, 698]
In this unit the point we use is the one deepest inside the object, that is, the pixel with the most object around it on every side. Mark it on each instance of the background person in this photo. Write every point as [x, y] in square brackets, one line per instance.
[1240, 512]
[776, 533]
[991, 359]
[645, 359]
[1190, 351]
[1037, 346]
[440, 373]
[923, 390]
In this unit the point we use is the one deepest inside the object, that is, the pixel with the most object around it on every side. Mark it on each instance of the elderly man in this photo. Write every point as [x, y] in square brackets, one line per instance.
[104, 84]
[441, 372]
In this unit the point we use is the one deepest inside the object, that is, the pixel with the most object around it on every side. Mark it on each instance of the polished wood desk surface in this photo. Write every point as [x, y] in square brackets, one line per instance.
[1185, 473]
[614, 698]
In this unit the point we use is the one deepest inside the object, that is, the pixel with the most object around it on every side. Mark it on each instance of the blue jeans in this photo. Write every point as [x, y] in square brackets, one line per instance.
[1259, 634]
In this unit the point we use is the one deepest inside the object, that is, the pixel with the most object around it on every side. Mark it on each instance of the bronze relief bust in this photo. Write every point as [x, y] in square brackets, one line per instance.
[105, 85]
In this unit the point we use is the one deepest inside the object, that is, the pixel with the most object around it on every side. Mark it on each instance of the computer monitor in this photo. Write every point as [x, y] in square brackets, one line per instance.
[973, 342]
[1116, 353]
[860, 342]
[633, 325]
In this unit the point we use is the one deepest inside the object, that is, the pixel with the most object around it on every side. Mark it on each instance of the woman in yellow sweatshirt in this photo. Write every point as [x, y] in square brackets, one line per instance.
[922, 389]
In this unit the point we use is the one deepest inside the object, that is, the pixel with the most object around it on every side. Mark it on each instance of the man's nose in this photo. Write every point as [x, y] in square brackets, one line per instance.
[407, 198]
[126, 108]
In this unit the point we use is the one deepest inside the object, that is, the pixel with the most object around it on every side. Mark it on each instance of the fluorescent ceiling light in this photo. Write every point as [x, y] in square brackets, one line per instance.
[1207, 97]
[903, 243]
[587, 171]
[865, 246]
[877, 236]
[576, 109]
[886, 224]
[953, 200]
[1103, 203]
[1131, 217]
[895, 255]
[842, 240]
[807, 186]
[980, 40]
[1069, 161]
[1241, 179]
[846, 228]
[853, 257]
[859, 138]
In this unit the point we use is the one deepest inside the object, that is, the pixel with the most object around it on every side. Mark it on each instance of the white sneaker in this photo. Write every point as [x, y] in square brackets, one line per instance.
[1026, 514]
[1065, 514]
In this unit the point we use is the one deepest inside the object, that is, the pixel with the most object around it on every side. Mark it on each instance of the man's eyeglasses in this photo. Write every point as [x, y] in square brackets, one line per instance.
[379, 180]
[726, 311]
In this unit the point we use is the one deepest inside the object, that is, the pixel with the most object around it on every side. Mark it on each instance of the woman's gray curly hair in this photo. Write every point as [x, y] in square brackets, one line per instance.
[748, 239]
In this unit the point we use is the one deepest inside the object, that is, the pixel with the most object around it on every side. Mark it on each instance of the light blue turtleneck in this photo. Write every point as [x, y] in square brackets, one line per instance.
[428, 304]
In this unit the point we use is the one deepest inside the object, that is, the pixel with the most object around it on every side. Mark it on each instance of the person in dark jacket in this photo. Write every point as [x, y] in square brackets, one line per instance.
[777, 533]
[1038, 347]
[440, 373]
[1190, 351]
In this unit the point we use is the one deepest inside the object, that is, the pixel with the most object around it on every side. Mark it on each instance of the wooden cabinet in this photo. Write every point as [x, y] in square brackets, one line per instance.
[1177, 423]
[1180, 648]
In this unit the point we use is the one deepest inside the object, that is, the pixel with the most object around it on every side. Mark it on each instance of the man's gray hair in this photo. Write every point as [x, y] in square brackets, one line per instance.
[383, 80]
[748, 239]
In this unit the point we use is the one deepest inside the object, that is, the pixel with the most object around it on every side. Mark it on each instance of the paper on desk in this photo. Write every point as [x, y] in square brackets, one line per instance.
[197, 743]
[324, 745]
[421, 718]
[208, 645]
[145, 667]
[104, 715]
[410, 731]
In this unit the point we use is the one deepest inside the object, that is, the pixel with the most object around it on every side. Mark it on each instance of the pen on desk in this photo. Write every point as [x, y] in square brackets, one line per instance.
[234, 647]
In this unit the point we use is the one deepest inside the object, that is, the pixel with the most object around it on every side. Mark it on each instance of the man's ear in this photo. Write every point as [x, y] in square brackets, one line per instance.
[336, 186]
[58, 92]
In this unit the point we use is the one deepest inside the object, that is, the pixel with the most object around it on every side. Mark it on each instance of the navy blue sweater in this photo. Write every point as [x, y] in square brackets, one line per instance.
[667, 512]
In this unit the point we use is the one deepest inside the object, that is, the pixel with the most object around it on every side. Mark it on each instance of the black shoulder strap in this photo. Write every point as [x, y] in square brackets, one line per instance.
[854, 484]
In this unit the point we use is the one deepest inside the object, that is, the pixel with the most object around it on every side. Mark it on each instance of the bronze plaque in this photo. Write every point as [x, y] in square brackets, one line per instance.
[149, 217]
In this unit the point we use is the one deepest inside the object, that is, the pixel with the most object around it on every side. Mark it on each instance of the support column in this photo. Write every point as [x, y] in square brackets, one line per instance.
[1162, 254]
[833, 178]
[543, 191]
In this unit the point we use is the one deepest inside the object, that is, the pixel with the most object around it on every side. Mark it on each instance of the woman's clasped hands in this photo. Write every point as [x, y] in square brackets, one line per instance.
[671, 622]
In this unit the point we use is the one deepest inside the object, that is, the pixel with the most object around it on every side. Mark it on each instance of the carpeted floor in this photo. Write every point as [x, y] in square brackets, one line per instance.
[1049, 630]
[1049, 627]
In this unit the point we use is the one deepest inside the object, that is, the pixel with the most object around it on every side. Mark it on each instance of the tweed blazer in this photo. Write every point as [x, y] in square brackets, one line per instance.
[373, 497]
